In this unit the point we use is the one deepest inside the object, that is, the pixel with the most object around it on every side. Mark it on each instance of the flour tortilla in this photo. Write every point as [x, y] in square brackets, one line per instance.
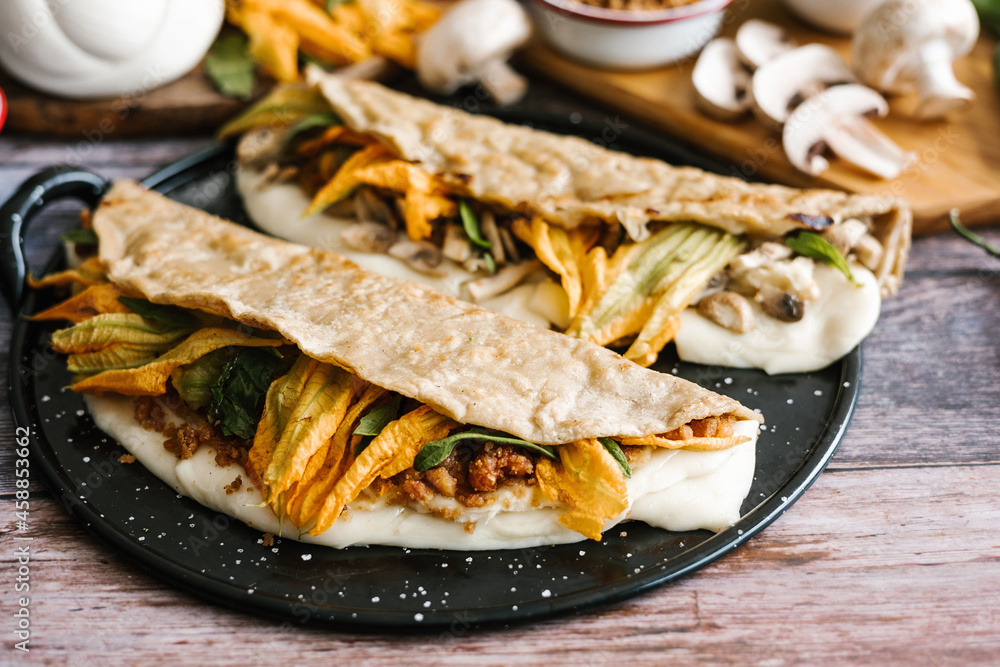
[465, 362]
[570, 181]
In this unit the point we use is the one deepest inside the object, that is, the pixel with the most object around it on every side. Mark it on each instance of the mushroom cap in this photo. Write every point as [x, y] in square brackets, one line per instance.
[759, 42]
[468, 36]
[793, 77]
[836, 119]
[720, 81]
[886, 47]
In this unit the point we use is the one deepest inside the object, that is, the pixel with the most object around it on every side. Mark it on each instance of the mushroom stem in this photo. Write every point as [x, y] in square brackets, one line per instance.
[940, 92]
[862, 144]
[503, 84]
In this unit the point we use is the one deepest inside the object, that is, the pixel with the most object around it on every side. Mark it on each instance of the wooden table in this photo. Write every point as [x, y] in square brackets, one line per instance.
[893, 557]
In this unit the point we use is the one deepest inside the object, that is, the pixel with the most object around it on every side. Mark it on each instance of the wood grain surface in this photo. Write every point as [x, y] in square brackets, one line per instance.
[958, 161]
[892, 558]
[189, 104]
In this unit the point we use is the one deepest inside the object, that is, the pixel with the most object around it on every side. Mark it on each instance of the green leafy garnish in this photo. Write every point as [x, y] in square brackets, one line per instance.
[308, 123]
[433, 453]
[240, 387]
[82, 236]
[172, 316]
[617, 454]
[815, 246]
[470, 223]
[194, 381]
[230, 66]
[372, 423]
[970, 235]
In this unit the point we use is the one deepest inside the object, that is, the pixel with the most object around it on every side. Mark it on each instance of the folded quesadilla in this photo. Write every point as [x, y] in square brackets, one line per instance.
[298, 392]
[555, 230]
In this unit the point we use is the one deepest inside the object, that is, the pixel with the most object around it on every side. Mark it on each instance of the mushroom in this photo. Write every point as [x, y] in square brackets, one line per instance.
[421, 256]
[369, 237]
[781, 305]
[836, 119]
[501, 281]
[729, 310]
[869, 251]
[846, 235]
[470, 43]
[794, 76]
[488, 223]
[759, 42]
[369, 207]
[904, 46]
[720, 81]
[456, 246]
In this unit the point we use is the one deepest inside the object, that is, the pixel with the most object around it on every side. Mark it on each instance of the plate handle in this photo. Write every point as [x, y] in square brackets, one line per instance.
[53, 183]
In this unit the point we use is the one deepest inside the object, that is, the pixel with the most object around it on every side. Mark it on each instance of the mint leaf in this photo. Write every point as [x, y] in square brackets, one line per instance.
[433, 453]
[815, 246]
[372, 423]
[230, 66]
[617, 454]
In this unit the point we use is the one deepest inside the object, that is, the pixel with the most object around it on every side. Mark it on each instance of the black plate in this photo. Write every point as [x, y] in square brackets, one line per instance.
[225, 561]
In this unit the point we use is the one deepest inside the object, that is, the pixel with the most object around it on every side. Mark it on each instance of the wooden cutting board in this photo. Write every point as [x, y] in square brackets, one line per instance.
[958, 163]
[189, 104]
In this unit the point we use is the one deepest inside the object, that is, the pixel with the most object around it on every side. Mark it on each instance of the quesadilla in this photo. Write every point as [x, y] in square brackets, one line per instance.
[300, 393]
[557, 231]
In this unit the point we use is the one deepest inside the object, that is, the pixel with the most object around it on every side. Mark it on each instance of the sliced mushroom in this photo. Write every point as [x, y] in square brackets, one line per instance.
[509, 245]
[904, 46]
[721, 82]
[259, 146]
[869, 252]
[422, 256]
[456, 246]
[764, 254]
[729, 310]
[369, 237]
[846, 235]
[837, 119]
[759, 42]
[781, 305]
[503, 280]
[470, 43]
[793, 77]
[369, 207]
[488, 224]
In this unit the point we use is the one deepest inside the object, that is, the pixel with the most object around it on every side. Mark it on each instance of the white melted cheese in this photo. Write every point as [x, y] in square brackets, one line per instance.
[675, 490]
[833, 324]
[277, 209]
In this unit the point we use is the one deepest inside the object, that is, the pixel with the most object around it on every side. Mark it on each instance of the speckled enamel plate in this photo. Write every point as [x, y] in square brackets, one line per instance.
[216, 557]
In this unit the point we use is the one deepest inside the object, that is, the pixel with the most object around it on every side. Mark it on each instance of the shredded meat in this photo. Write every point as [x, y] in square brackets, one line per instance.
[126, 458]
[495, 463]
[268, 539]
[711, 427]
[234, 486]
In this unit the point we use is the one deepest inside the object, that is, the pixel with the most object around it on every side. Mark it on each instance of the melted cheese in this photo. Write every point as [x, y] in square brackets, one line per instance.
[675, 490]
[833, 324]
[277, 209]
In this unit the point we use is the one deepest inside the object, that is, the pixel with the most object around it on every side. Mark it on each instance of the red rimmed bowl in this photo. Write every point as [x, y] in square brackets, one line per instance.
[625, 39]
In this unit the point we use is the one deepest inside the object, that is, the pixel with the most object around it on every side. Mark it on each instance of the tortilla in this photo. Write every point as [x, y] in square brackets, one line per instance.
[570, 181]
[466, 363]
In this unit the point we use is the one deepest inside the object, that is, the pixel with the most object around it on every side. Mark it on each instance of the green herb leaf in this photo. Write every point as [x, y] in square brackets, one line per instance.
[240, 387]
[372, 423]
[172, 316]
[617, 454]
[470, 223]
[81, 236]
[433, 453]
[376, 420]
[970, 235]
[230, 66]
[815, 246]
[491, 264]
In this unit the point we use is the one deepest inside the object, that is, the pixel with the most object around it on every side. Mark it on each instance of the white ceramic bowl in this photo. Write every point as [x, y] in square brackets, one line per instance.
[627, 40]
[841, 17]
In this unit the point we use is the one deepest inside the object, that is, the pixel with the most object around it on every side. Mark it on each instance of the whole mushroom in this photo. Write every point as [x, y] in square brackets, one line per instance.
[470, 43]
[906, 46]
[720, 81]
